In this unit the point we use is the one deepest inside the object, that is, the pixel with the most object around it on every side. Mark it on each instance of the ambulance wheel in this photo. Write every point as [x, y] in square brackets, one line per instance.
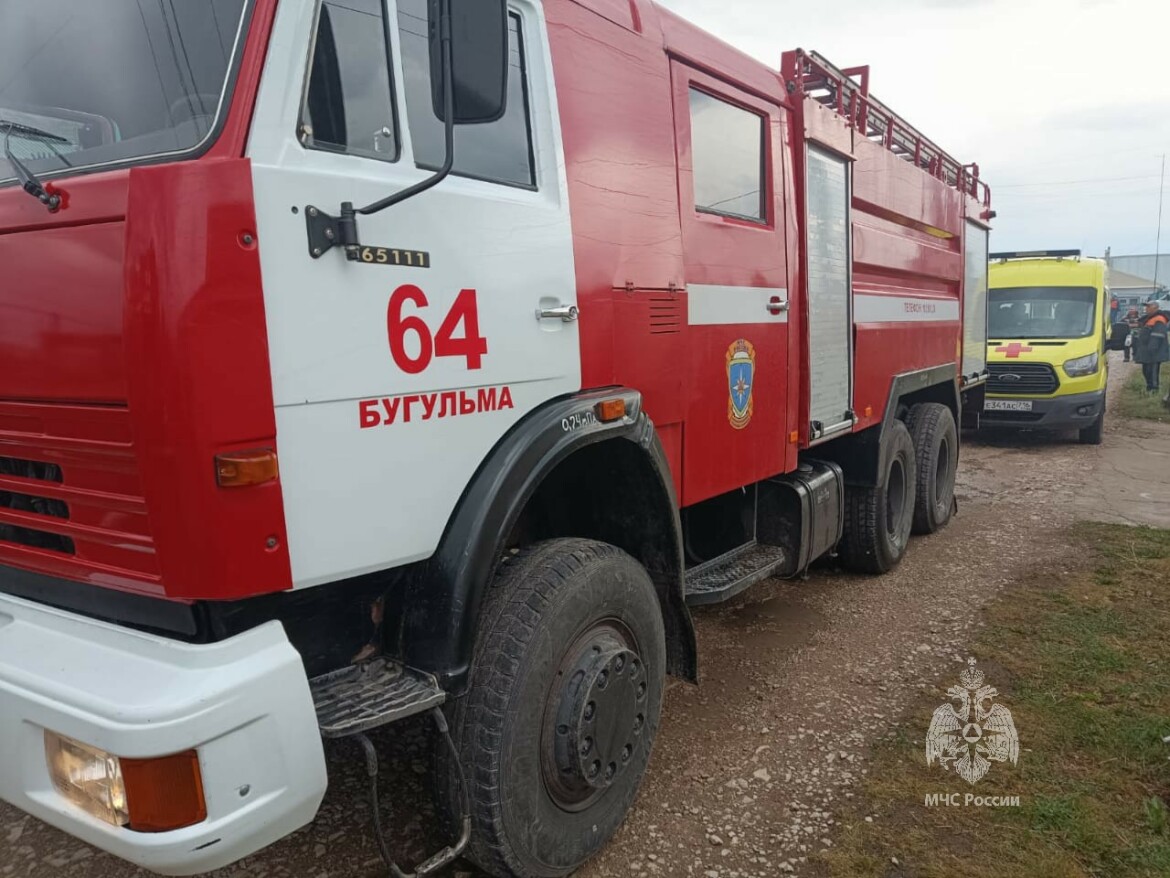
[564, 698]
[1094, 433]
[936, 448]
[878, 519]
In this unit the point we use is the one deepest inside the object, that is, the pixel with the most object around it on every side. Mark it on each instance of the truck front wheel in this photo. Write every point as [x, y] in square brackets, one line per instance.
[878, 518]
[564, 699]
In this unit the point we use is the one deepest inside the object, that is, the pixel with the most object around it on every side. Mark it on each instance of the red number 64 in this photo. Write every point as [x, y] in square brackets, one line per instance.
[445, 343]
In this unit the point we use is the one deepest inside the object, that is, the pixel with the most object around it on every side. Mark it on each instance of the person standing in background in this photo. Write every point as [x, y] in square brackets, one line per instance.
[1151, 347]
[1114, 310]
[1133, 321]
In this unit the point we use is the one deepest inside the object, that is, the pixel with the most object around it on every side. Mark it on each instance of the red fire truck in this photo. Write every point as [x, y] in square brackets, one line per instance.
[373, 358]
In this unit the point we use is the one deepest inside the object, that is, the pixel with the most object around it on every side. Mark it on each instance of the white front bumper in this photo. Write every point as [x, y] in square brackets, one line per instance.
[244, 703]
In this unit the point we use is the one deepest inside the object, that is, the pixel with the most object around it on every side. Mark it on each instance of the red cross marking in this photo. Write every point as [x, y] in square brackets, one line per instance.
[1013, 350]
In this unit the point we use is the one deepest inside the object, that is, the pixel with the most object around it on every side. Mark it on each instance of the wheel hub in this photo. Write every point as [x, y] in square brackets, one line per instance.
[598, 713]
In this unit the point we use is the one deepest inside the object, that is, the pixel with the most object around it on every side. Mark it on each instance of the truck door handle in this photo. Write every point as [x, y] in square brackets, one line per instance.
[565, 313]
[776, 305]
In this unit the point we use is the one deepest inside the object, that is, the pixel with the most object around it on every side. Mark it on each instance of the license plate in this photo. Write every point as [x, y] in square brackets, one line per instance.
[1007, 405]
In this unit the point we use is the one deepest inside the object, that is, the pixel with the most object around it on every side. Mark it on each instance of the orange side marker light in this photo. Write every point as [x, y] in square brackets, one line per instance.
[164, 793]
[238, 469]
[610, 410]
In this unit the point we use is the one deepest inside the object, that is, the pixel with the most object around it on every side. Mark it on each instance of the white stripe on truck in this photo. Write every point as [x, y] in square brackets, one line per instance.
[871, 308]
[712, 305]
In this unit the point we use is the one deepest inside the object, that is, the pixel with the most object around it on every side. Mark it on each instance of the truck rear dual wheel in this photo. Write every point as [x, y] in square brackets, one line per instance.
[936, 449]
[878, 519]
[564, 700]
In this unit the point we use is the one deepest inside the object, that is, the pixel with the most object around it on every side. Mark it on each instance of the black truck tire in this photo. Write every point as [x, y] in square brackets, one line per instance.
[878, 519]
[557, 726]
[936, 448]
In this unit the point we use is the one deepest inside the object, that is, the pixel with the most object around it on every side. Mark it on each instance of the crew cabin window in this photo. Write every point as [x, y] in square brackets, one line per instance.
[500, 151]
[727, 150]
[349, 106]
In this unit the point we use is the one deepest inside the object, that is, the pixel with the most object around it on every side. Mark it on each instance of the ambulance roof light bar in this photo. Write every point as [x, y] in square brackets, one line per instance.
[1035, 254]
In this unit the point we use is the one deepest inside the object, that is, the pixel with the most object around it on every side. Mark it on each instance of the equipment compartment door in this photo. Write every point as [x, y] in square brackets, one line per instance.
[975, 304]
[830, 301]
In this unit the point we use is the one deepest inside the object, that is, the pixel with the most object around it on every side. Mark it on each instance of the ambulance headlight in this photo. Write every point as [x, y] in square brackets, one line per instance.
[1082, 366]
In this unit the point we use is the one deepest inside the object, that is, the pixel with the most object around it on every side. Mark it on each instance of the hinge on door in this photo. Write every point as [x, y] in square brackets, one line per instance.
[327, 232]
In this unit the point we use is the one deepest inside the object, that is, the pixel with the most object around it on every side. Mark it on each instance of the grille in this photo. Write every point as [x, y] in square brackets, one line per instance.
[71, 496]
[665, 315]
[33, 471]
[1022, 379]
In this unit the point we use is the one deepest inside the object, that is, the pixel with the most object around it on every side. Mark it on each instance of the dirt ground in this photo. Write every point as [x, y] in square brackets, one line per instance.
[798, 678]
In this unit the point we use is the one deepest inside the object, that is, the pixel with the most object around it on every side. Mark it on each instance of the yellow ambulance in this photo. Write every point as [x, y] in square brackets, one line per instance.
[1048, 330]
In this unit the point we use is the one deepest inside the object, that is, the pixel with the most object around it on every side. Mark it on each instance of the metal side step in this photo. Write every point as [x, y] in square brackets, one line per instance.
[372, 694]
[722, 578]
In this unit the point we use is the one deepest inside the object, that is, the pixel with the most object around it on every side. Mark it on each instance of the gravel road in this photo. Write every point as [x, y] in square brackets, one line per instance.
[797, 679]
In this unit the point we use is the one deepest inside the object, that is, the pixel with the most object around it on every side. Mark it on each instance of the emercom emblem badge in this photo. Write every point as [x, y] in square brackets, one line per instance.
[973, 732]
[741, 377]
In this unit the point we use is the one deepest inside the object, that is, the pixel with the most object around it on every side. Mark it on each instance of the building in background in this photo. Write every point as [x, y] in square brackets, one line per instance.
[1147, 265]
[1131, 290]
[1132, 278]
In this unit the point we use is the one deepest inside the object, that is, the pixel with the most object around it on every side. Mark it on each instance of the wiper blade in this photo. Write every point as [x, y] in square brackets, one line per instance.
[30, 131]
[28, 180]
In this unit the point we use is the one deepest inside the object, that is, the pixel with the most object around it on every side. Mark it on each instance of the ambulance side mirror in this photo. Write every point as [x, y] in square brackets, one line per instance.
[479, 59]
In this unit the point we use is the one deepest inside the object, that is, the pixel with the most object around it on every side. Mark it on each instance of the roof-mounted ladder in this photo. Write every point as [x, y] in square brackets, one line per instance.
[846, 92]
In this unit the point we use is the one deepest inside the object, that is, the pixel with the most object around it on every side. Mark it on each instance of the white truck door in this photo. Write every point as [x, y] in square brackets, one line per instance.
[394, 375]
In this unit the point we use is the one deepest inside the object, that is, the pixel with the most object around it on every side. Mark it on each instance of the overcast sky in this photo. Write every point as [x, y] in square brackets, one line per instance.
[1065, 104]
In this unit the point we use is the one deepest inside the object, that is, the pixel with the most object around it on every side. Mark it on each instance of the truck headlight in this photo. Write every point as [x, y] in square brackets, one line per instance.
[1082, 365]
[88, 777]
[146, 795]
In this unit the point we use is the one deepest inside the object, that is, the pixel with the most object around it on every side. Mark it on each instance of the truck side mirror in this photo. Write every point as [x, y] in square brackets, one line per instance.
[479, 59]
[1116, 341]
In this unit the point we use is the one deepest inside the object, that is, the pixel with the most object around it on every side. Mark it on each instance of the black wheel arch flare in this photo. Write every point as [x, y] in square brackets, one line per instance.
[441, 603]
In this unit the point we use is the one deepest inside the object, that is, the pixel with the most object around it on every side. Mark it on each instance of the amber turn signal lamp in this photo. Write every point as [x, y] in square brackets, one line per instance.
[238, 469]
[164, 793]
[611, 410]
[793, 437]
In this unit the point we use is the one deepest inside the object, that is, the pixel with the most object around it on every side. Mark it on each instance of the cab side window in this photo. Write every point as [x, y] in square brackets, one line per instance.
[501, 151]
[727, 149]
[349, 104]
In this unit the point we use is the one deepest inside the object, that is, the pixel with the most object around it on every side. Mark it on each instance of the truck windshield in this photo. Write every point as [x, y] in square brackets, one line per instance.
[1042, 312]
[112, 80]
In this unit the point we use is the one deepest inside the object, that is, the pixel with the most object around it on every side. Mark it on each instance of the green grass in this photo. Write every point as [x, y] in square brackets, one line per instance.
[1083, 662]
[1134, 402]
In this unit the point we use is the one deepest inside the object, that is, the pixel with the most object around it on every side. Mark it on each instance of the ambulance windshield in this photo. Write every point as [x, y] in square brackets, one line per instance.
[1041, 312]
[86, 84]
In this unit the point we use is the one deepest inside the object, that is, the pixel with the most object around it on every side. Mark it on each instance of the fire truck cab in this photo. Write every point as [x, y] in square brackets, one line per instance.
[373, 358]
